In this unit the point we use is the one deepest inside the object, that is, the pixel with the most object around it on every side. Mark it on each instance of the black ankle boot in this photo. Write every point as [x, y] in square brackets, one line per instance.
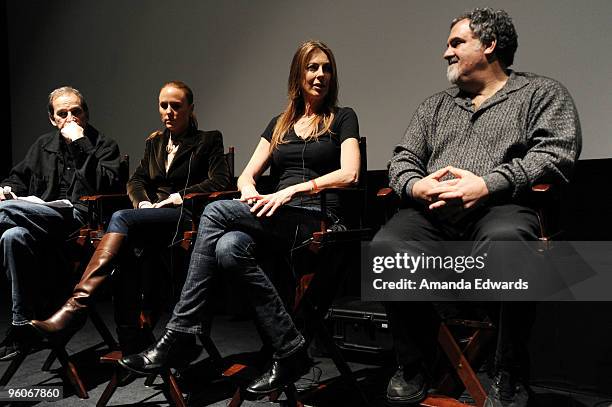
[408, 386]
[132, 339]
[173, 349]
[507, 391]
[282, 372]
[19, 339]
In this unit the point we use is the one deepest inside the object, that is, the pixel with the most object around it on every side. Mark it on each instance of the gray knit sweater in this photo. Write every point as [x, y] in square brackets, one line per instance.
[527, 133]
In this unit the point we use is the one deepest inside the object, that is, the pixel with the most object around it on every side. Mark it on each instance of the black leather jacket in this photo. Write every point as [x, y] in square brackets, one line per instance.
[198, 166]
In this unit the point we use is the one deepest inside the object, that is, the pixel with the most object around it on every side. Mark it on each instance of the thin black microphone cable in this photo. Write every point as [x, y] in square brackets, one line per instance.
[178, 226]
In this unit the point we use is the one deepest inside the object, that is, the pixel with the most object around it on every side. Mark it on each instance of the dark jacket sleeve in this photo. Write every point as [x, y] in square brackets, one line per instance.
[218, 172]
[140, 179]
[97, 166]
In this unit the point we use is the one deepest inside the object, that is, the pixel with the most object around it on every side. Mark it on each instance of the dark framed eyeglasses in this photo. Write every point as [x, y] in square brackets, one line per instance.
[75, 111]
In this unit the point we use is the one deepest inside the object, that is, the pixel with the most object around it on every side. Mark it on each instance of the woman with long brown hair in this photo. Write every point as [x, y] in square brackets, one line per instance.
[178, 160]
[312, 144]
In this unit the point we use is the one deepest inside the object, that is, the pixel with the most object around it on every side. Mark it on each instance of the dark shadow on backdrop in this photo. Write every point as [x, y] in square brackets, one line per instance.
[5, 104]
[5, 116]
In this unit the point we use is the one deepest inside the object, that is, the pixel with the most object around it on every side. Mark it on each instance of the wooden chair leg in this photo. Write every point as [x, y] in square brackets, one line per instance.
[71, 373]
[210, 348]
[236, 400]
[471, 351]
[150, 380]
[435, 400]
[12, 368]
[292, 399]
[461, 365]
[101, 327]
[49, 361]
[174, 392]
[109, 390]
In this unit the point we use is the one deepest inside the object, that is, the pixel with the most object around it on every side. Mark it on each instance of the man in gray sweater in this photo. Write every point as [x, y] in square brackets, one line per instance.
[463, 171]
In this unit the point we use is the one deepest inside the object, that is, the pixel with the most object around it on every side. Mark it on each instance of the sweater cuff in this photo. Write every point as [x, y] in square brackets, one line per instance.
[497, 184]
[408, 187]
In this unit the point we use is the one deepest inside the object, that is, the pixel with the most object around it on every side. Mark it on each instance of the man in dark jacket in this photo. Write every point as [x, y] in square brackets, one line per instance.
[71, 161]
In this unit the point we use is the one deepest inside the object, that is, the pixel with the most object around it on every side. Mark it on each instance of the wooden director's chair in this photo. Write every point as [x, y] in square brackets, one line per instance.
[466, 352]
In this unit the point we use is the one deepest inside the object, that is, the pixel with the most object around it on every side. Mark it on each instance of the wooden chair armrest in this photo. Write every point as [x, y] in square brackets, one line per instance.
[350, 235]
[544, 195]
[103, 197]
[541, 188]
[199, 196]
[384, 192]
[328, 190]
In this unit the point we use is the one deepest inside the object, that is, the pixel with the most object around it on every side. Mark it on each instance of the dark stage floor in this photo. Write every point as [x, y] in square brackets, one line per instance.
[237, 341]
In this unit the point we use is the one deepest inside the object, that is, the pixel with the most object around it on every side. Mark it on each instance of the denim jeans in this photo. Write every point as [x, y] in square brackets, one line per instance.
[32, 242]
[150, 232]
[228, 239]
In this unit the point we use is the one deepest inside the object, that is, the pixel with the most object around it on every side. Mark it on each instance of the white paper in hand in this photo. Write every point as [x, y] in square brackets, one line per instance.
[60, 203]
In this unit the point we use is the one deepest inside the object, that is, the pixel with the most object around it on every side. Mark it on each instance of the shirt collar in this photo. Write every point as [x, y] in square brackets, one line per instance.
[515, 82]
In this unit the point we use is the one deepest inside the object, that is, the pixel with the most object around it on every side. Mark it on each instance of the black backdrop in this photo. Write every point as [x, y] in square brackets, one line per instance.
[5, 105]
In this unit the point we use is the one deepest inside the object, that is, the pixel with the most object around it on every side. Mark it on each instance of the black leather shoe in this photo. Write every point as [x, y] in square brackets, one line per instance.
[506, 391]
[173, 349]
[282, 372]
[18, 339]
[408, 386]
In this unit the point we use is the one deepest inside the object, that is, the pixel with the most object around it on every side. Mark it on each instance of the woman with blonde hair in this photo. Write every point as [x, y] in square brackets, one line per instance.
[178, 160]
[312, 144]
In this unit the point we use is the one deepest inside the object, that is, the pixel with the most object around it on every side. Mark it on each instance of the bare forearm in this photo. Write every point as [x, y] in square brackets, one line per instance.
[245, 181]
[338, 178]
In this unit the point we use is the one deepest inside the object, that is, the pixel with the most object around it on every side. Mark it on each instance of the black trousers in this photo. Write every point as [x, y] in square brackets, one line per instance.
[414, 325]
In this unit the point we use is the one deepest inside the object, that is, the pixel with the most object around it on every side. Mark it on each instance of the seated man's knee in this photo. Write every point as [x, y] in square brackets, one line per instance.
[406, 225]
[507, 231]
[233, 249]
[508, 223]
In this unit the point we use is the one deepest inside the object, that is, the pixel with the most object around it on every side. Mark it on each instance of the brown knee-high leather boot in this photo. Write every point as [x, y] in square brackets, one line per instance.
[71, 316]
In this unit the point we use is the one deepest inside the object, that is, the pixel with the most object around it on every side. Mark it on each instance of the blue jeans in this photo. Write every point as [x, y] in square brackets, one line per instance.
[150, 232]
[32, 242]
[228, 239]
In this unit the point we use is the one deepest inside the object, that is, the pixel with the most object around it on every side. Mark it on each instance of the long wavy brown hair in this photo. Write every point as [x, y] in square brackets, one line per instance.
[296, 106]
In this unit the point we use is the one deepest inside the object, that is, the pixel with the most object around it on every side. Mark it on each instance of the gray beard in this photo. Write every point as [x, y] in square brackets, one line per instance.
[452, 74]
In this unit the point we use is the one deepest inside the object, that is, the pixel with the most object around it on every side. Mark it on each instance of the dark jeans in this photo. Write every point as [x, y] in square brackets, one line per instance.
[33, 241]
[150, 232]
[414, 324]
[228, 239]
